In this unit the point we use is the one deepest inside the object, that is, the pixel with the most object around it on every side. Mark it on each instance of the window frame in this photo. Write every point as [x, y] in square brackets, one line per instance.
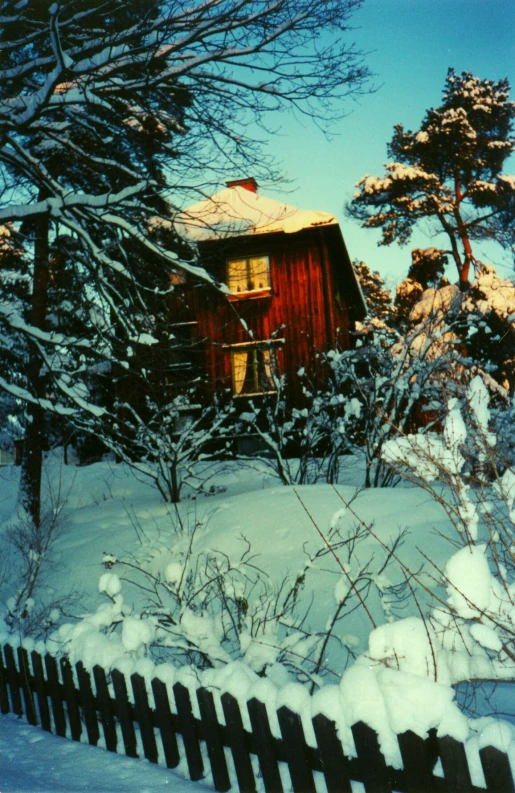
[272, 346]
[262, 291]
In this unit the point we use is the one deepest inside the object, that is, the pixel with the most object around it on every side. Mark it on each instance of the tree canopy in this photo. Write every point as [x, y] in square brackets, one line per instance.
[112, 114]
[450, 170]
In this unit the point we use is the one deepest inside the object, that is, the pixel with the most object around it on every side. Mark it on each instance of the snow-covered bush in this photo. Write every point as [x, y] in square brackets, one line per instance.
[177, 601]
[395, 384]
[469, 634]
[391, 385]
[175, 435]
[302, 444]
[28, 605]
[191, 607]
[481, 321]
[386, 386]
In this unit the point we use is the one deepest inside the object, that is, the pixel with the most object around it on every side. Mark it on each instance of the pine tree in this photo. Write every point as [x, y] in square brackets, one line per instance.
[378, 299]
[426, 270]
[450, 171]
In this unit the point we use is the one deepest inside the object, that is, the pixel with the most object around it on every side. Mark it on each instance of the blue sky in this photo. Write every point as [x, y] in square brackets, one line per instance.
[411, 44]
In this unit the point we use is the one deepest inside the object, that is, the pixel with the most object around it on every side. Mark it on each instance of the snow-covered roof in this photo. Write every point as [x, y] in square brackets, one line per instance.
[236, 211]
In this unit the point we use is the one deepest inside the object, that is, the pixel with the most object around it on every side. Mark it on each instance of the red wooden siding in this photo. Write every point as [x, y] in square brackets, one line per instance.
[306, 305]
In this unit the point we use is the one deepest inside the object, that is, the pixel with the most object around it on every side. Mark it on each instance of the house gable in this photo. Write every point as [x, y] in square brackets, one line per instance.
[296, 286]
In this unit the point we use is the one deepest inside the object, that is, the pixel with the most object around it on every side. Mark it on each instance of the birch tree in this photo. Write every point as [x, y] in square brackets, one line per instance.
[111, 114]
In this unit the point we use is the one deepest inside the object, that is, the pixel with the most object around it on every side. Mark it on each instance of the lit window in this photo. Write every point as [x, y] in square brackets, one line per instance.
[253, 370]
[248, 275]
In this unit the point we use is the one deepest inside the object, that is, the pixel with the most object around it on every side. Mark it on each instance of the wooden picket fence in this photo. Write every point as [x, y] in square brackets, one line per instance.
[45, 692]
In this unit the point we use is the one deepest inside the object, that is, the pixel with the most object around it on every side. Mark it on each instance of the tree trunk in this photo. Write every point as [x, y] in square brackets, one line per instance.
[32, 462]
[175, 493]
[464, 267]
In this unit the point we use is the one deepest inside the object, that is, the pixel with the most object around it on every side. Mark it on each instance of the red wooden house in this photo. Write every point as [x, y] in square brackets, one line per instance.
[291, 291]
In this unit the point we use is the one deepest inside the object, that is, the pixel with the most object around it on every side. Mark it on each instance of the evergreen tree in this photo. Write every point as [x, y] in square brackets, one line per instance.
[378, 299]
[450, 171]
[15, 289]
[426, 270]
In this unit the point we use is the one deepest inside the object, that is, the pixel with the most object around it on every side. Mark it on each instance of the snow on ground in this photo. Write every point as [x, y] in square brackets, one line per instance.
[33, 761]
[109, 511]
[106, 510]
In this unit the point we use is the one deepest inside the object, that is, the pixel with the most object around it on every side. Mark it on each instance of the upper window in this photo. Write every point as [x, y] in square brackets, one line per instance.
[248, 275]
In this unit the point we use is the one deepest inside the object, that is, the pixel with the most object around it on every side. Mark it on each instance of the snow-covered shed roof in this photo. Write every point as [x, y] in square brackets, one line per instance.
[239, 211]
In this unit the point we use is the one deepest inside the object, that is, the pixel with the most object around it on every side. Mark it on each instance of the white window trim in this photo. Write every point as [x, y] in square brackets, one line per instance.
[264, 344]
[250, 345]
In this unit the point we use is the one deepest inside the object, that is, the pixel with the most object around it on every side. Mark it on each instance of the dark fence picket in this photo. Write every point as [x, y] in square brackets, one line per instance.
[40, 690]
[54, 691]
[265, 746]
[4, 694]
[143, 716]
[164, 722]
[418, 757]
[497, 771]
[238, 742]
[88, 704]
[188, 730]
[124, 713]
[335, 765]
[22, 683]
[26, 687]
[296, 751]
[12, 680]
[455, 766]
[106, 709]
[215, 747]
[374, 773]
[72, 699]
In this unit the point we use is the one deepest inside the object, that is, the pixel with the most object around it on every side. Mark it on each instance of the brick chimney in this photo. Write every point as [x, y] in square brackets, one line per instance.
[249, 183]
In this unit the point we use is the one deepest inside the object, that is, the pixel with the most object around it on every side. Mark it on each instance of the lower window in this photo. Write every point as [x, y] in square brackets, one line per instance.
[254, 369]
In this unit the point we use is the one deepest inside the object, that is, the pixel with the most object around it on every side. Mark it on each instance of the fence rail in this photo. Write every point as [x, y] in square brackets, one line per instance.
[48, 693]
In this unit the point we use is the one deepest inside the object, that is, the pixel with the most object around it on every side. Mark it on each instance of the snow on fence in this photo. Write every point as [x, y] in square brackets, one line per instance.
[65, 701]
